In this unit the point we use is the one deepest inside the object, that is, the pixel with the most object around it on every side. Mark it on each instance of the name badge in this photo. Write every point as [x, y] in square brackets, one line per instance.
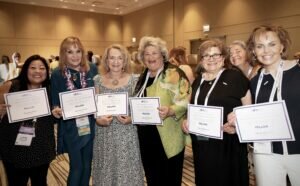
[83, 126]
[263, 148]
[27, 130]
[24, 139]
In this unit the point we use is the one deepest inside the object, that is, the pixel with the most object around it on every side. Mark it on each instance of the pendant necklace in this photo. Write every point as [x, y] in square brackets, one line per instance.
[115, 82]
[74, 76]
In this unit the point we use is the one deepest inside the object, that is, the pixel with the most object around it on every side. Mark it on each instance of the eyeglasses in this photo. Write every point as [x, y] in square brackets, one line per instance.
[214, 56]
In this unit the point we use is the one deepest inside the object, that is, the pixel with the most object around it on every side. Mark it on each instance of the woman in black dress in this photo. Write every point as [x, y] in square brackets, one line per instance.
[219, 162]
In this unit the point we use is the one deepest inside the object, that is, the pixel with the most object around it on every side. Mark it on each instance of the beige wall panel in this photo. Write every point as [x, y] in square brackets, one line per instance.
[86, 26]
[237, 18]
[28, 42]
[34, 29]
[64, 24]
[232, 12]
[178, 22]
[243, 11]
[156, 20]
[25, 21]
[197, 13]
[27, 51]
[46, 23]
[112, 26]
[294, 33]
[47, 51]
[6, 21]
[93, 27]
[7, 50]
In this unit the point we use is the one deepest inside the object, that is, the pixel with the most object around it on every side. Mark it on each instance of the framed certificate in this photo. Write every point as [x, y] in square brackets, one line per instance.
[144, 111]
[206, 121]
[25, 105]
[263, 122]
[112, 104]
[77, 103]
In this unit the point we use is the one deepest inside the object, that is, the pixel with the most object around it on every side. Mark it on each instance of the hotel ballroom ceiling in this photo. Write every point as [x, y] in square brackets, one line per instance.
[118, 7]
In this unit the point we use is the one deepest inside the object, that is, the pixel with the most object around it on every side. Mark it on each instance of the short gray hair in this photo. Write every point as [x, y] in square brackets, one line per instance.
[152, 41]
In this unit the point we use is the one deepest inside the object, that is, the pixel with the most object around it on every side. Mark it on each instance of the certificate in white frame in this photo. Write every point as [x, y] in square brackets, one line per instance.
[78, 103]
[205, 121]
[28, 104]
[144, 110]
[112, 104]
[264, 122]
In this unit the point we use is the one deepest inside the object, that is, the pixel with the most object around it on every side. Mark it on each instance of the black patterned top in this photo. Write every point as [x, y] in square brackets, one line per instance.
[42, 148]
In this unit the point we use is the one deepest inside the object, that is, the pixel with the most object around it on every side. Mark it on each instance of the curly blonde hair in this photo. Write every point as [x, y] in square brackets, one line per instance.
[155, 42]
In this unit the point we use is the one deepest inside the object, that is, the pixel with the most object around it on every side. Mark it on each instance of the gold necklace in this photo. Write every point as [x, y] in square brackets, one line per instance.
[114, 81]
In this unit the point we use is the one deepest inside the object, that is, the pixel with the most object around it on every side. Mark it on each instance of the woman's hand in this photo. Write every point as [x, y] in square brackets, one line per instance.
[229, 127]
[3, 110]
[57, 112]
[185, 126]
[104, 121]
[124, 119]
[165, 111]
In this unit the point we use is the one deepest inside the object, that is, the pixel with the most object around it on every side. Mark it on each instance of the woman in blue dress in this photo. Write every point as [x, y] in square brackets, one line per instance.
[74, 72]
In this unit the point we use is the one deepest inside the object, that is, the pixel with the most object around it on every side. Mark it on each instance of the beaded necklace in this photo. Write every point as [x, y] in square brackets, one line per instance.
[70, 82]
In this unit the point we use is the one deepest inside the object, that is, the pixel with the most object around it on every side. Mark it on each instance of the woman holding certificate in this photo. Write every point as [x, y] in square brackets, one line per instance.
[162, 146]
[221, 161]
[278, 80]
[30, 156]
[75, 136]
[116, 159]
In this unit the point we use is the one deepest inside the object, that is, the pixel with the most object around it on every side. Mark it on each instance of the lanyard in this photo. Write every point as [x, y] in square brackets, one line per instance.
[141, 92]
[276, 85]
[210, 90]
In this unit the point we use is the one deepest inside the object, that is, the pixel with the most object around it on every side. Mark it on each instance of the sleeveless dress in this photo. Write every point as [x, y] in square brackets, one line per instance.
[116, 154]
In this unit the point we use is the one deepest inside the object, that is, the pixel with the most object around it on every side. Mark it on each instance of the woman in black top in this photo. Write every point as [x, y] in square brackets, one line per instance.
[219, 162]
[276, 160]
[24, 162]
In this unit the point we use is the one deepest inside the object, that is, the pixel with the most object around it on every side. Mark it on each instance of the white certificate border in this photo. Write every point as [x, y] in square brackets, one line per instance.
[144, 123]
[27, 118]
[221, 124]
[117, 93]
[72, 91]
[286, 116]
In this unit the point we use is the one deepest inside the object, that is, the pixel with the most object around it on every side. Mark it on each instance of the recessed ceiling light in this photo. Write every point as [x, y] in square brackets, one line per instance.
[117, 8]
[82, 2]
[93, 5]
[91, 10]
